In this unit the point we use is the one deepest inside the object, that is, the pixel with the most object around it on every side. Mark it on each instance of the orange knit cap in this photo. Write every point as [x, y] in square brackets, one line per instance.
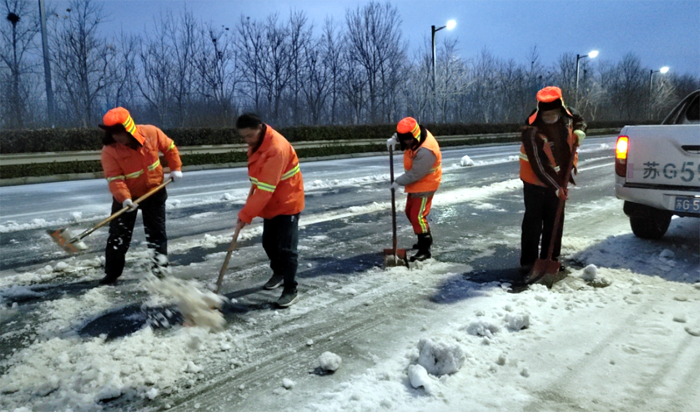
[121, 116]
[408, 125]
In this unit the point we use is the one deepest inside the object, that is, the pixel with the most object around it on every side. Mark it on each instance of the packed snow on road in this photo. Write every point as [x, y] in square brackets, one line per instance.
[620, 332]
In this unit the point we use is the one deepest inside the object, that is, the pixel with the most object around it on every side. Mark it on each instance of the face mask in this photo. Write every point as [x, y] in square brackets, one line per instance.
[550, 118]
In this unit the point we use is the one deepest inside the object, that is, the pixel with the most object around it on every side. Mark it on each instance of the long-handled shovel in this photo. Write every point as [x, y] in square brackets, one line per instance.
[231, 247]
[549, 267]
[73, 244]
[394, 257]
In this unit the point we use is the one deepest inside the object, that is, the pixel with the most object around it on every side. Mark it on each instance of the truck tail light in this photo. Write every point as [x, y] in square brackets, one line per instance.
[621, 156]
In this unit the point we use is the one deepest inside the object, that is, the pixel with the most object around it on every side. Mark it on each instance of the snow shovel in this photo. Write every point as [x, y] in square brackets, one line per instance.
[231, 247]
[550, 267]
[74, 244]
[394, 257]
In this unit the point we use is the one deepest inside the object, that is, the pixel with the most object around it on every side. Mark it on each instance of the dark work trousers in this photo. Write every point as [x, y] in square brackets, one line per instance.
[120, 231]
[280, 238]
[541, 206]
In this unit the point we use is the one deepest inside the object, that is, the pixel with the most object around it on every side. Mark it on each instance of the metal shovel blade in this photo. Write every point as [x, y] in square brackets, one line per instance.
[64, 238]
[393, 260]
[541, 269]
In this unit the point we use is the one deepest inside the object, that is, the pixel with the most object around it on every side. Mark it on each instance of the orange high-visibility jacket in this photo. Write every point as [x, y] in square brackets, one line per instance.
[132, 173]
[274, 171]
[431, 181]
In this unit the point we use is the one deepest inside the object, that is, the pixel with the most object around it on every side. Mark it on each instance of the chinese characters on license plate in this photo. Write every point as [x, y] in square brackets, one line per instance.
[687, 204]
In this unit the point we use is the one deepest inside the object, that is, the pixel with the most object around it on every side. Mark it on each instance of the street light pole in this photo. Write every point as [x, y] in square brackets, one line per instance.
[592, 55]
[449, 26]
[14, 19]
[662, 70]
[47, 66]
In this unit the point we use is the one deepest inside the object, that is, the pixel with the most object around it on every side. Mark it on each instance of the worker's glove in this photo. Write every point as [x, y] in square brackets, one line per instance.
[391, 142]
[581, 135]
[175, 175]
[394, 186]
[128, 203]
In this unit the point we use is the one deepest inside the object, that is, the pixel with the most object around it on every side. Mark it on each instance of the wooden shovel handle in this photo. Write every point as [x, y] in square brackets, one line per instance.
[231, 247]
[122, 211]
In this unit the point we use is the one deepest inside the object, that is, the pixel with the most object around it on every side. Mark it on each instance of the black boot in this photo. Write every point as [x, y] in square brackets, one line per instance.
[425, 240]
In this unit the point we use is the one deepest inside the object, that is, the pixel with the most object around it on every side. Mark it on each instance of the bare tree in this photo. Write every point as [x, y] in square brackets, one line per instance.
[333, 52]
[17, 40]
[83, 60]
[299, 45]
[374, 43]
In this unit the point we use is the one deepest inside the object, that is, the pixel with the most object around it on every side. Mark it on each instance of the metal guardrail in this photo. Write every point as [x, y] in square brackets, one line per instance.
[92, 155]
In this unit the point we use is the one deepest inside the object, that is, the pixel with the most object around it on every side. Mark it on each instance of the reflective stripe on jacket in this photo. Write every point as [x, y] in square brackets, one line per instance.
[431, 181]
[132, 173]
[274, 171]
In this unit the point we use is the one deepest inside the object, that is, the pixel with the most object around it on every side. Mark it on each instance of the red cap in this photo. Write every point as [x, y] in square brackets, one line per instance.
[408, 125]
[121, 116]
[549, 94]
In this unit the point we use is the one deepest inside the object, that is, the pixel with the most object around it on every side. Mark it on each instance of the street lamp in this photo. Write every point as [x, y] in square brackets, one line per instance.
[449, 26]
[592, 54]
[662, 70]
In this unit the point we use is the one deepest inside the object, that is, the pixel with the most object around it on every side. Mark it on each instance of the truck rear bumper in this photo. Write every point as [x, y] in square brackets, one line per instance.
[663, 198]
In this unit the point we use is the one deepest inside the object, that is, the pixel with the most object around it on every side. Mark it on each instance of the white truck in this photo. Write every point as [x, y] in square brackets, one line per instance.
[657, 169]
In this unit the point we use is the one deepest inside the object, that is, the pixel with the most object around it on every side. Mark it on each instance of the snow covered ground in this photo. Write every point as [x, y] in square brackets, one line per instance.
[621, 332]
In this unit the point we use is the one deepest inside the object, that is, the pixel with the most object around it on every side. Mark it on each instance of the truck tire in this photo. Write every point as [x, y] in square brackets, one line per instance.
[652, 225]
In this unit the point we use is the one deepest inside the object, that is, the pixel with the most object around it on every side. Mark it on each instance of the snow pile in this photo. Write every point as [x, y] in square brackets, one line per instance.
[329, 361]
[466, 161]
[65, 374]
[440, 358]
[197, 306]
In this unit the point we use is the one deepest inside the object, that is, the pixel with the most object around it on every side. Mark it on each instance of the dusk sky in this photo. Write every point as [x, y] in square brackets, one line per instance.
[660, 32]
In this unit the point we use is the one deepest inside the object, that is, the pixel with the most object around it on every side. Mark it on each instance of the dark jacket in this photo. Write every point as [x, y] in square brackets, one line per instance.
[561, 140]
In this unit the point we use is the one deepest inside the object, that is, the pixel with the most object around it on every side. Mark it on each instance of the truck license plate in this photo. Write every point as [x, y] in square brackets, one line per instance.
[687, 204]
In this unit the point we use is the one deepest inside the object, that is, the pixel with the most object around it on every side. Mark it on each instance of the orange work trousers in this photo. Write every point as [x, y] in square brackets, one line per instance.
[417, 209]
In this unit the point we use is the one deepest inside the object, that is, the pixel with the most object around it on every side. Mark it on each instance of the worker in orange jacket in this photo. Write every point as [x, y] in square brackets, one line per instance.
[553, 132]
[132, 168]
[422, 162]
[277, 197]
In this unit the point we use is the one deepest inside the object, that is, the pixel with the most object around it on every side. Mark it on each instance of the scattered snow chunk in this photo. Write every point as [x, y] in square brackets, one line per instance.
[466, 161]
[525, 373]
[419, 377]
[288, 383]
[440, 358]
[61, 266]
[329, 361]
[192, 368]
[517, 322]
[482, 328]
[227, 196]
[667, 254]
[77, 216]
[589, 272]
[501, 359]
[309, 342]
[152, 393]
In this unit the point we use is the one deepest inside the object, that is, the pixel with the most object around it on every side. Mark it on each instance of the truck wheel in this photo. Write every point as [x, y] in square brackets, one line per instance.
[652, 226]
